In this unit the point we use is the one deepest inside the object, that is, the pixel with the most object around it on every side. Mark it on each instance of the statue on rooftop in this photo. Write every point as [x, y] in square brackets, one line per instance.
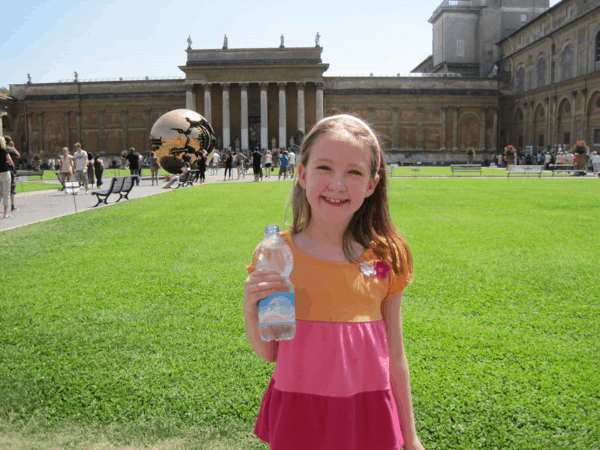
[281, 46]
[225, 42]
[189, 41]
[76, 76]
[317, 37]
[28, 78]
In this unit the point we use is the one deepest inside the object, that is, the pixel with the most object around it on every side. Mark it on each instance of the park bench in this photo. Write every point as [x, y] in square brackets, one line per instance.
[30, 173]
[567, 168]
[466, 168]
[524, 169]
[118, 185]
[189, 178]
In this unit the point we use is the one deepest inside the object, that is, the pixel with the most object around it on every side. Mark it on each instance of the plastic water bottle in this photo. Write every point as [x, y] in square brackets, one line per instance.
[277, 312]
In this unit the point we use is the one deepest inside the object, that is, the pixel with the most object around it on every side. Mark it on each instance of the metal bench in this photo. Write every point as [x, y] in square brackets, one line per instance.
[524, 169]
[466, 168]
[188, 179]
[567, 168]
[30, 173]
[115, 187]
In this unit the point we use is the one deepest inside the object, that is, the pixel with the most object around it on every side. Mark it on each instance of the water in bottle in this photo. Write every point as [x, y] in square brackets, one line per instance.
[277, 312]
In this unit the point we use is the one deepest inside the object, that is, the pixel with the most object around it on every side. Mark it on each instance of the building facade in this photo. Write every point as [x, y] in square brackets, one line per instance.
[533, 84]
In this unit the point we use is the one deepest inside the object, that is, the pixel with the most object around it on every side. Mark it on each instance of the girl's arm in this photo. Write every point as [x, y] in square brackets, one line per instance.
[399, 374]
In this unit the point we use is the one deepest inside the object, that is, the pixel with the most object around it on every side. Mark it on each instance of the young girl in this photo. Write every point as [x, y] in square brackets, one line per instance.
[342, 382]
[268, 162]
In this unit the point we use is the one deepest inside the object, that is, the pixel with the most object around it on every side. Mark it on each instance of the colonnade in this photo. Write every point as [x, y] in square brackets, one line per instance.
[282, 85]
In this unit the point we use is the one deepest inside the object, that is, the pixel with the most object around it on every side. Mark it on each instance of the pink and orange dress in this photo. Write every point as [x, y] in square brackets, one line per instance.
[331, 385]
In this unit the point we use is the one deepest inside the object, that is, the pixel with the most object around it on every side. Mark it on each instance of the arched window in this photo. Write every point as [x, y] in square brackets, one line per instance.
[541, 71]
[566, 63]
[598, 47]
[520, 80]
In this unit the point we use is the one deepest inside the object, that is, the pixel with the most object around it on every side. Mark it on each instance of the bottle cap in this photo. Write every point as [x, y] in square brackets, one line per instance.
[269, 229]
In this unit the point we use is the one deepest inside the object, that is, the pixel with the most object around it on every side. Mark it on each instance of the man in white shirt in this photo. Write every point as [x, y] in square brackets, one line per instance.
[81, 161]
[291, 163]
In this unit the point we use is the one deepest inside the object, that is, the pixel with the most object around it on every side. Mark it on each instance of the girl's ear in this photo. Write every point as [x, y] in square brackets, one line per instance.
[302, 176]
[372, 185]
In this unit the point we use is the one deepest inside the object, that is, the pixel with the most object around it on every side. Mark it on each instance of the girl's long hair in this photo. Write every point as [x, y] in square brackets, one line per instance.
[371, 226]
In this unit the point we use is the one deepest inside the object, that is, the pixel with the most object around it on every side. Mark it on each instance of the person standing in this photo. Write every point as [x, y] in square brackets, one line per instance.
[291, 163]
[215, 159]
[500, 160]
[15, 156]
[596, 163]
[90, 170]
[66, 166]
[99, 170]
[228, 165]
[81, 162]
[268, 163]
[284, 162]
[135, 159]
[154, 166]
[6, 163]
[239, 160]
[256, 157]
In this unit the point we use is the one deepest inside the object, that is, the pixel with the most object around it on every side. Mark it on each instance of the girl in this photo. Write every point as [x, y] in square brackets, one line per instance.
[228, 165]
[268, 163]
[154, 166]
[201, 162]
[342, 382]
[90, 170]
[185, 169]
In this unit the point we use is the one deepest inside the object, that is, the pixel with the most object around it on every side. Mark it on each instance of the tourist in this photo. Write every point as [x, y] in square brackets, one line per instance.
[500, 157]
[239, 165]
[570, 157]
[187, 158]
[283, 169]
[201, 164]
[256, 157]
[81, 161]
[66, 166]
[596, 163]
[185, 169]
[348, 304]
[561, 158]
[547, 160]
[15, 156]
[228, 165]
[135, 160]
[276, 155]
[98, 170]
[6, 164]
[214, 159]
[154, 166]
[90, 170]
[291, 163]
[268, 163]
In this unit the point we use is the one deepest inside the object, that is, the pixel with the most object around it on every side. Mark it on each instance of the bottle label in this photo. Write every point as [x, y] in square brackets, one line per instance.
[277, 309]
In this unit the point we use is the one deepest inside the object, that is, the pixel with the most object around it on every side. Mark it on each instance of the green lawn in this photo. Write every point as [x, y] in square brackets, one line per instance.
[124, 325]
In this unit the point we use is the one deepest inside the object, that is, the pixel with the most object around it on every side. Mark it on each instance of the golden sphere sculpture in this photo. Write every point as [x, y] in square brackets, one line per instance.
[177, 131]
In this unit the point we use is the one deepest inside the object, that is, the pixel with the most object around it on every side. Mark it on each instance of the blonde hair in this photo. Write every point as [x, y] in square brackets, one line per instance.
[371, 226]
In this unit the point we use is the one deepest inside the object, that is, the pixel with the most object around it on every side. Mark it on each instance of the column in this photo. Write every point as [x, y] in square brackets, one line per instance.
[584, 115]
[124, 128]
[444, 113]
[554, 120]
[495, 131]
[226, 124]
[282, 116]
[67, 129]
[264, 124]
[29, 133]
[301, 123]
[244, 102]
[483, 143]
[319, 86]
[419, 128]
[101, 116]
[455, 137]
[207, 103]
[395, 120]
[189, 97]
[78, 117]
[573, 118]
[532, 124]
[42, 149]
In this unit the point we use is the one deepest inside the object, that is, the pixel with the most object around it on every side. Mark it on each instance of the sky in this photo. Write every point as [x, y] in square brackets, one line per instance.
[103, 39]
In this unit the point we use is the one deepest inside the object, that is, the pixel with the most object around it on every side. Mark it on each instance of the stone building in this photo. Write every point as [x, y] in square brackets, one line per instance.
[500, 73]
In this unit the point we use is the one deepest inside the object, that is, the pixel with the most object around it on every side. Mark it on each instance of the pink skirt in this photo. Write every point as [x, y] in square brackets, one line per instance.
[330, 390]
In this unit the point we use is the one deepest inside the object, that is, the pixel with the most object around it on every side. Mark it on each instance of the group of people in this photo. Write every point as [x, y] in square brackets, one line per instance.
[82, 167]
[9, 156]
[561, 157]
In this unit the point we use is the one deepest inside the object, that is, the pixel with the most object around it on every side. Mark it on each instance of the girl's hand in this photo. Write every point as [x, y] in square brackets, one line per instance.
[260, 284]
[415, 444]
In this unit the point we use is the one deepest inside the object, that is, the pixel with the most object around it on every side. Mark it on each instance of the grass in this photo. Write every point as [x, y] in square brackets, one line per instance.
[123, 326]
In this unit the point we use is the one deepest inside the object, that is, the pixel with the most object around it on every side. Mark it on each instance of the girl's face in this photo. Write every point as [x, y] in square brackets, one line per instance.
[336, 178]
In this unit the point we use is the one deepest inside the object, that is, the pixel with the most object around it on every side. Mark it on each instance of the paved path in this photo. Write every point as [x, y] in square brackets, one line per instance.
[38, 206]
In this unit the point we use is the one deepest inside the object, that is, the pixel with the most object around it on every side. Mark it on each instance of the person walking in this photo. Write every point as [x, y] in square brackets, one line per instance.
[81, 161]
[90, 170]
[291, 163]
[98, 170]
[15, 156]
[596, 163]
[228, 165]
[343, 381]
[154, 166]
[201, 163]
[6, 163]
[268, 163]
[283, 169]
[215, 159]
[66, 166]
[256, 159]
[135, 159]
[239, 165]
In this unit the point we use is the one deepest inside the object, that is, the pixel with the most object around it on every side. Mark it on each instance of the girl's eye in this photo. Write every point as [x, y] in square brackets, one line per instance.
[356, 172]
[323, 167]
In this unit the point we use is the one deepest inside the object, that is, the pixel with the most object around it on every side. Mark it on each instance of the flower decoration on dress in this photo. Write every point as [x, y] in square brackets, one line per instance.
[367, 269]
[381, 270]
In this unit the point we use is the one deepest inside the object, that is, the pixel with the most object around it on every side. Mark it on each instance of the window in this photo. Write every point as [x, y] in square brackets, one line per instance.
[567, 107]
[460, 48]
[597, 136]
[529, 81]
[542, 29]
[541, 72]
[520, 80]
[521, 41]
[598, 47]
[566, 63]
[568, 13]
[541, 140]
[567, 138]
[520, 140]
[523, 17]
